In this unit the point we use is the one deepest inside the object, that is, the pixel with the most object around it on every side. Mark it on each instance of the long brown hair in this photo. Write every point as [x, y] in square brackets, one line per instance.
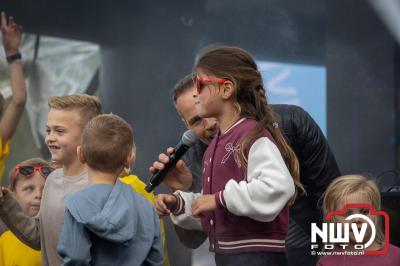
[237, 65]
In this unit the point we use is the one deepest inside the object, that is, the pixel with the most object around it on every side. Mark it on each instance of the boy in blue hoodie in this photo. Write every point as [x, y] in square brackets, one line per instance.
[107, 223]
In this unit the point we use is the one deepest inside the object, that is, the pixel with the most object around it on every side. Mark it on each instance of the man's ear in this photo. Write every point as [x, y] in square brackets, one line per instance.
[228, 88]
[79, 153]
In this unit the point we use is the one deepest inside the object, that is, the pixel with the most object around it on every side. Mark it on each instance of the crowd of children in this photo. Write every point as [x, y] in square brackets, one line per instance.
[92, 211]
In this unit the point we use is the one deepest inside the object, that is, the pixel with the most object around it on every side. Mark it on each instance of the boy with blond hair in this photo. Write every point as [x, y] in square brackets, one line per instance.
[107, 222]
[67, 117]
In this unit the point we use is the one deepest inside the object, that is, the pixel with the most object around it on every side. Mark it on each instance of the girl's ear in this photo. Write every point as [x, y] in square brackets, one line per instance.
[228, 88]
[79, 153]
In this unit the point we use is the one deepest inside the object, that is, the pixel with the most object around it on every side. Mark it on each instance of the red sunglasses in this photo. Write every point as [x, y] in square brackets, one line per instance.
[202, 81]
[29, 171]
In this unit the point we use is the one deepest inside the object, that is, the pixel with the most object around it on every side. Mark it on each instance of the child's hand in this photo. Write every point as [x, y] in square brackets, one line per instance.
[164, 203]
[12, 34]
[203, 204]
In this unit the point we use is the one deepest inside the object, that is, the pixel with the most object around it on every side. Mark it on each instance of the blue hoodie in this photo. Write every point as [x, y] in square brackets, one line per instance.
[110, 225]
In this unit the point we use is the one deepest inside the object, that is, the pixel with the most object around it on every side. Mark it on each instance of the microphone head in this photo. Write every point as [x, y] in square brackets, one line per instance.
[189, 138]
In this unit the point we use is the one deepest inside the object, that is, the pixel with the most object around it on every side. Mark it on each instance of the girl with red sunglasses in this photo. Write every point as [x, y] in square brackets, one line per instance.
[26, 182]
[250, 174]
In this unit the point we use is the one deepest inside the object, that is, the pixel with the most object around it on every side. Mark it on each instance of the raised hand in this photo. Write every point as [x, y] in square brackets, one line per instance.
[11, 33]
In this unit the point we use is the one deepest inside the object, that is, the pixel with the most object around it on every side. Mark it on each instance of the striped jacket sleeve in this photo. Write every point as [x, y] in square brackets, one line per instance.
[182, 215]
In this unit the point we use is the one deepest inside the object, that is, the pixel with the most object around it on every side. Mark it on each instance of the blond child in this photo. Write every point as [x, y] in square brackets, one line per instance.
[356, 189]
[107, 223]
[26, 182]
[67, 117]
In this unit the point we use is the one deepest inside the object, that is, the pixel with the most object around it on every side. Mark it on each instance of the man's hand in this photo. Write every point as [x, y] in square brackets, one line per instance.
[203, 204]
[164, 204]
[179, 177]
[12, 34]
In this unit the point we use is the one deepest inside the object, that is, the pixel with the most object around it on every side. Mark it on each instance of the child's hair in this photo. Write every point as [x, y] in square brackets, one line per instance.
[237, 65]
[107, 141]
[14, 176]
[88, 106]
[343, 186]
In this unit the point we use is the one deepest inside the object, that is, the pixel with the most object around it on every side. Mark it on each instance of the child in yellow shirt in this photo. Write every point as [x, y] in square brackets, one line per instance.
[26, 182]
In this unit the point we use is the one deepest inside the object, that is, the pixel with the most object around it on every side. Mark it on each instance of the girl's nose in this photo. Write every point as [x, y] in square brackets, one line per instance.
[38, 193]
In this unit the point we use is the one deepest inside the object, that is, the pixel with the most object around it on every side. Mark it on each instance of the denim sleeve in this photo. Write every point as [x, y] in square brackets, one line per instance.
[74, 244]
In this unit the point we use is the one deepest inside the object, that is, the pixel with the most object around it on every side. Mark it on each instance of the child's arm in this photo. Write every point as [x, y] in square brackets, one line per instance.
[25, 228]
[74, 244]
[179, 206]
[268, 188]
[12, 35]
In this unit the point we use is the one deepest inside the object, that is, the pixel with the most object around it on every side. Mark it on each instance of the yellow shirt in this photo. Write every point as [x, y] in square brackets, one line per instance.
[4, 150]
[138, 186]
[14, 252]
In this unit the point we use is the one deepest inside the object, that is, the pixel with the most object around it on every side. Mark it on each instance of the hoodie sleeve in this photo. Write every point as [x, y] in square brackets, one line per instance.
[267, 189]
[155, 256]
[74, 244]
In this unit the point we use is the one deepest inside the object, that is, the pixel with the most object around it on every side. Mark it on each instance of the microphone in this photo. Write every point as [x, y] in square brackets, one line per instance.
[188, 139]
